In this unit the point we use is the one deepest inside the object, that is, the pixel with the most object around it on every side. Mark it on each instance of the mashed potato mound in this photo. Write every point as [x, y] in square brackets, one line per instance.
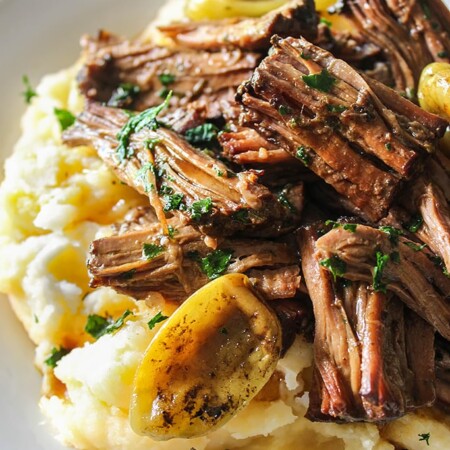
[53, 202]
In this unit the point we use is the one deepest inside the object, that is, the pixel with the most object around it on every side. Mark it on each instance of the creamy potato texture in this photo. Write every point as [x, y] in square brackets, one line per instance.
[53, 202]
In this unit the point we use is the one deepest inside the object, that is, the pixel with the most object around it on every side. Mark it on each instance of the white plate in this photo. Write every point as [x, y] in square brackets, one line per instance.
[38, 37]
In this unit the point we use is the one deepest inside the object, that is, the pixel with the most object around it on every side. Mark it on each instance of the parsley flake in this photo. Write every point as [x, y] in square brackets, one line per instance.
[142, 176]
[303, 155]
[135, 124]
[322, 81]
[378, 270]
[414, 224]
[335, 265]
[304, 56]
[98, 326]
[203, 136]
[166, 79]
[415, 247]
[393, 233]
[442, 54]
[29, 92]
[124, 95]
[241, 216]
[336, 108]
[171, 231]
[151, 251]
[345, 226]
[173, 202]
[424, 437]
[326, 22]
[200, 208]
[284, 110]
[216, 263]
[65, 118]
[388, 146]
[55, 356]
[156, 319]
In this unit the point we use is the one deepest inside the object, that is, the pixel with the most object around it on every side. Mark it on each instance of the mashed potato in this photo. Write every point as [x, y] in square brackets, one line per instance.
[53, 202]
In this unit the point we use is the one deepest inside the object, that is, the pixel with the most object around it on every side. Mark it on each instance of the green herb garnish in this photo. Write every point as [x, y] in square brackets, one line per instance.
[322, 81]
[425, 437]
[284, 110]
[142, 176]
[135, 124]
[204, 135]
[173, 202]
[65, 118]
[303, 155]
[345, 226]
[200, 208]
[151, 251]
[156, 319]
[128, 275]
[415, 247]
[426, 9]
[335, 265]
[241, 216]
[442, 54]
[282, 198]
[336, 108]
[395, 257]
[55, 356]
[378, 270]
[414, 224]
[393, 233]
[216, 263]
[124, 95]
[304, 56]
[326, 22]
[223, 330]
[171, 231]
[166, 79]
[388, 146]
[150, 144]
[98, 326]
[29, 92]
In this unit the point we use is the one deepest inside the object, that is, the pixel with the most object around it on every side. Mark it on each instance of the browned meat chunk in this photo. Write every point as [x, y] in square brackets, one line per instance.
[144, 261]
[135, 76]
[365, 348]
[391, 41]
[293, 19]
[392, 263]
[442, 374]
[359, 136]
[180, 179]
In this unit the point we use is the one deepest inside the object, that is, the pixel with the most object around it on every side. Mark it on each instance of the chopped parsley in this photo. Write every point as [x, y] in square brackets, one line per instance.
[336, 108]
[128, 275]
[381, 261]
[414, 224]
[322, 81]
[282, 198]
[135, 124]
[415, 247]
[426, 9]
[393, 233]
[142, 176]
[123, 95]
[303, 155]
[442, 54]
[98, 326]
[65, 118]
[156, 319]
[204, 135]
[326, 22]
[171, 231]
[335, 265]
[305, 56]
[223, 330]
[166, 79]
[200, 208]
[173, 202]
[29, 92]
[55, 356]
[219, 172]
[346, 226]
[410, 93]
[395, 257]
[284, 110]
[150, 144]
[438, 262]
[216, 263]
[151, 251]
[388, 146]
[241, 216]
[424, 437]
